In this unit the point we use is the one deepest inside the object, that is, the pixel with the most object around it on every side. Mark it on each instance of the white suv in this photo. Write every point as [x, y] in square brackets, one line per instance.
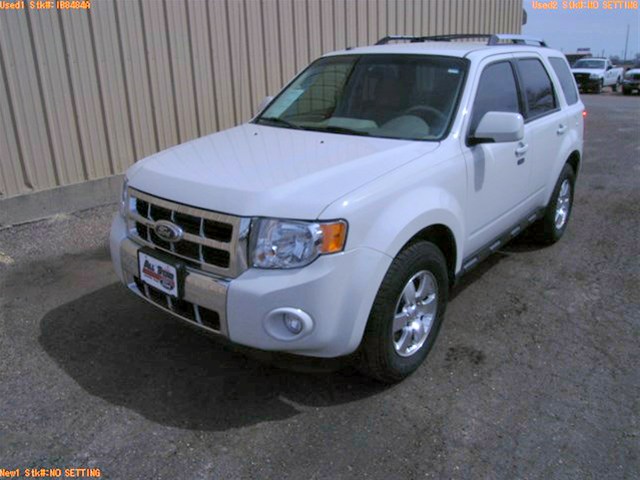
[338, 218]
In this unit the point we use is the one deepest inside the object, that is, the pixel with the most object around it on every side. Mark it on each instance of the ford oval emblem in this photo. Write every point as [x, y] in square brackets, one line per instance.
[167, 231]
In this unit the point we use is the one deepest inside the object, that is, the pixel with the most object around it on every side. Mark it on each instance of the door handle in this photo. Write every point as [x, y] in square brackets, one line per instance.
[561, 129]
[522, 149]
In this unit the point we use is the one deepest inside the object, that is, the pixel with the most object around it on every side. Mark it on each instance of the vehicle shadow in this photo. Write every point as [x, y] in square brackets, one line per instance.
[121, 349]
[127, 352]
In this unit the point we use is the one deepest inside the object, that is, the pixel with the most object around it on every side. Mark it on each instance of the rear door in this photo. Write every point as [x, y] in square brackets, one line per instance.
[497, 173]
[545, 122]
[572, 106]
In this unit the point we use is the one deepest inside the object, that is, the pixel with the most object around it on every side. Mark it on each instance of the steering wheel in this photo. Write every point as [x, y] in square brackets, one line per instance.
[431, 115]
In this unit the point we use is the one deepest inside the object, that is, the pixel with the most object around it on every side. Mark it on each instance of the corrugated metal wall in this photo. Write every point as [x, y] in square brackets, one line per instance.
[84, 94]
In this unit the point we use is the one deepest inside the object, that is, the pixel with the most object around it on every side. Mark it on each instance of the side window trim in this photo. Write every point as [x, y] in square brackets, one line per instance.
[522, 100]
[521, 104]
[520, 83]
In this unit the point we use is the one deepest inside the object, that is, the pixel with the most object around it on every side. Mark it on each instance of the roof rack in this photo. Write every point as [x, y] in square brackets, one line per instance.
[492, 39]
[431, 38]
[499, 38]
[390, 38]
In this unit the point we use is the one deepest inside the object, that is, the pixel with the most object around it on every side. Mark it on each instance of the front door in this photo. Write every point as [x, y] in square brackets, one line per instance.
[497, 173]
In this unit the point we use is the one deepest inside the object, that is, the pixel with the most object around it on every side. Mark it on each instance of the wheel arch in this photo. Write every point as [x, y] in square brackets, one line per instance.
[574, 160]
[443, 238]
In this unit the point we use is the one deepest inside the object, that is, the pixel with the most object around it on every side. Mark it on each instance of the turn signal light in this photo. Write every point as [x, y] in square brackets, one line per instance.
[334, 236]
[584, 113]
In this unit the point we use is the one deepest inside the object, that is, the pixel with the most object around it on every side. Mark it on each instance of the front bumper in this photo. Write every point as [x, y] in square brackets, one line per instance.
[587, 83]
[631, 86]
[336, 292]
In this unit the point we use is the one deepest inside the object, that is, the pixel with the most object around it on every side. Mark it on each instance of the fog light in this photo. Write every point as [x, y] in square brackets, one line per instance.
[293, 323]
[288, 323]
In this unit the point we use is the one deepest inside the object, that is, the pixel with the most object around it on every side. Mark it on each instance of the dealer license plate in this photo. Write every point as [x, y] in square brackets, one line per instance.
[158, 274]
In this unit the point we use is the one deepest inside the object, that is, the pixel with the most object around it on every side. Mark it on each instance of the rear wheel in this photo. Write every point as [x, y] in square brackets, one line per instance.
[406, 314]
[550, 228]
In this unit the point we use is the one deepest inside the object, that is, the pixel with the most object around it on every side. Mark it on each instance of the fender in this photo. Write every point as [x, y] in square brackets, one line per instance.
[384, 217]
[407, 214]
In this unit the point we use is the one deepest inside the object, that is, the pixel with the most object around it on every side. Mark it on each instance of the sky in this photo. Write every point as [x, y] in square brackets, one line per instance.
[598, 28]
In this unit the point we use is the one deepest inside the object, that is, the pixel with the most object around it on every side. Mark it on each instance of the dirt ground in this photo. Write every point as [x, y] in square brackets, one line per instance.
[534, 375]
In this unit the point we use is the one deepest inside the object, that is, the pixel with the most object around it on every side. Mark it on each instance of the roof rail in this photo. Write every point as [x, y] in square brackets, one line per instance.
[455, 36]
[432, 38]
[492, 39]
[390, 38]
[515, 39]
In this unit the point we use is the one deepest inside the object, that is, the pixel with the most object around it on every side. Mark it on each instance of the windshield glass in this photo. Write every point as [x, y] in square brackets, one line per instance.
[392, 96]
[589, 64]
[633, 75]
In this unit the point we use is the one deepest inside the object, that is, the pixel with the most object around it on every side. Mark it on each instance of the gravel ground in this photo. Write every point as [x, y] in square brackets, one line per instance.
[535, 373]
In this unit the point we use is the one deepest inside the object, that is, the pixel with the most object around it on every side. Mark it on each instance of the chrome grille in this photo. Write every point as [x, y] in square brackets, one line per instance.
[214, 242]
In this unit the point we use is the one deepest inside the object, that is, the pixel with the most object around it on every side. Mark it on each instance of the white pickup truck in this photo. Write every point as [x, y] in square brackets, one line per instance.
[593, 74]
[336, 221]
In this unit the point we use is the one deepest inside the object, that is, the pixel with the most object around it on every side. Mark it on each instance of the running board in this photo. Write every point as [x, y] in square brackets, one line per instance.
[473, 260]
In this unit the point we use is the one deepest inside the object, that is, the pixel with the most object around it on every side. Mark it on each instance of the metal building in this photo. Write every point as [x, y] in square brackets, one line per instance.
[84, 94]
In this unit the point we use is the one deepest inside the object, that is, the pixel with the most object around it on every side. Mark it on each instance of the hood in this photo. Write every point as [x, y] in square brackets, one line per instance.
[587, 70]
[255, 170]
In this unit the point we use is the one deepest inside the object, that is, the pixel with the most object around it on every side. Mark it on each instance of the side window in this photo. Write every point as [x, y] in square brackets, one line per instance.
[538, 91]
[497, 92]
[566, 79]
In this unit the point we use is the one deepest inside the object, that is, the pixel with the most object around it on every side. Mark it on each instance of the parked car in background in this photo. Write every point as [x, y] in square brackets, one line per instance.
[631, 81]
[572, 58]
[338, 218]
[593, 74]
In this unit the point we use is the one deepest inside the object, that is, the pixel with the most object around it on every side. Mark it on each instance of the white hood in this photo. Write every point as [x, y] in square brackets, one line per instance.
[599, 71]
[255, 170]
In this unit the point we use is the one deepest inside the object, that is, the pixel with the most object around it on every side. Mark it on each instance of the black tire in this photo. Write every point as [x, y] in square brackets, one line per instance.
[626, 91]
[614, 87]
[545, 230]
[378, 356]
[600, 86]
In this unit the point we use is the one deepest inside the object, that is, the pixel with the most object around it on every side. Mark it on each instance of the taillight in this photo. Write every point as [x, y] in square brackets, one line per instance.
[584, 114]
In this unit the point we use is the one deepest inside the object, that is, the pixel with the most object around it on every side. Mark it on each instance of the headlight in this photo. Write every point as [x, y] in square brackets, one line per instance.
[292, 244]
[594, 76]
[124, 198]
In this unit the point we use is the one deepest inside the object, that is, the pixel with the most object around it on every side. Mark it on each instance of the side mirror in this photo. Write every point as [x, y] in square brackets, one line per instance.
[498, 127]
[609, 67]
[264, 103]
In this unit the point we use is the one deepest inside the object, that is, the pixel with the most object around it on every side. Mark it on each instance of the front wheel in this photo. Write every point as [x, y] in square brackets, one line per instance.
[550, 228]
[406, 314]
[614, 87]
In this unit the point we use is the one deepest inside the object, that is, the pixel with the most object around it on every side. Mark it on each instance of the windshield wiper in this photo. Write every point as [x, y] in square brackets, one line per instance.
[335, 129]
[280, 121]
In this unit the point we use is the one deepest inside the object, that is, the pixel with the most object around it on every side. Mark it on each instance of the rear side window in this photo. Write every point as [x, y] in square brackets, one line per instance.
[538, 91]
[497, 92]
[566, 79]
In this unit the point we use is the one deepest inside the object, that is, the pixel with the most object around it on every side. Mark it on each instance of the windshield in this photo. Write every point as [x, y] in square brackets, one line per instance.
[391, 96]
[632, 75]
[589, 64]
